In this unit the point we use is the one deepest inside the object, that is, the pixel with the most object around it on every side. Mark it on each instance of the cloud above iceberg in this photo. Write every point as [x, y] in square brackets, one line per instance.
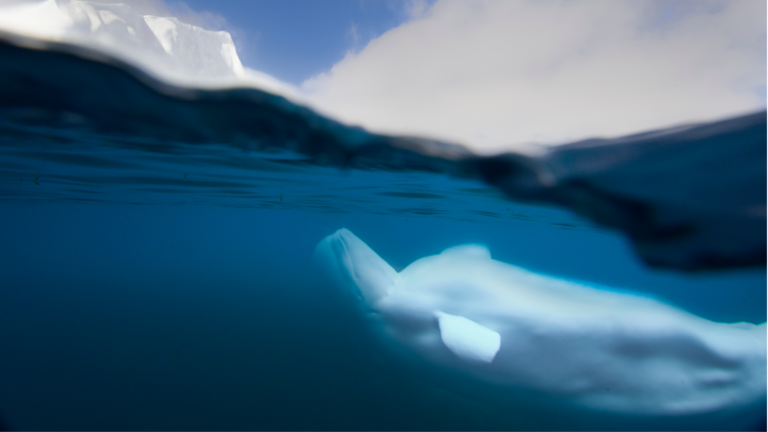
[495, 75]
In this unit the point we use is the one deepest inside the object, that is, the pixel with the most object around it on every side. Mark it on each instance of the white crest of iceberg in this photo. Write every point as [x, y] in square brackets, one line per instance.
[595, 348]
[177, 52]
[165, 30]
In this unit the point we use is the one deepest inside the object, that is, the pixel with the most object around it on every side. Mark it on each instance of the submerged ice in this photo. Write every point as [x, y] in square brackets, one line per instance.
[598, 349]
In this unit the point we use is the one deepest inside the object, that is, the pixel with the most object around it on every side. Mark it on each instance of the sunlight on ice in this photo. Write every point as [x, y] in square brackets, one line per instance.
[174, 51]
[165, 31]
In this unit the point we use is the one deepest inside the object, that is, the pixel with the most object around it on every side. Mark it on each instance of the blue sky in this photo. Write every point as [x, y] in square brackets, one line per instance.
[293, 40]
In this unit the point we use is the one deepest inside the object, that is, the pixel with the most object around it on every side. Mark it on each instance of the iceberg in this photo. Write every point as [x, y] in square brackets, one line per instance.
[592, 348]
[162, 45]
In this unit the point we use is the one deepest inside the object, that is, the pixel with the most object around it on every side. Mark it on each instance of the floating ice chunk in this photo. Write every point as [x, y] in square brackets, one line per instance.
[164, 46]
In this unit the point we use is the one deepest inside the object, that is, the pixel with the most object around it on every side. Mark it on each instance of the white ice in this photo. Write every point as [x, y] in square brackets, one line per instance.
[171, 50]
[598, 349]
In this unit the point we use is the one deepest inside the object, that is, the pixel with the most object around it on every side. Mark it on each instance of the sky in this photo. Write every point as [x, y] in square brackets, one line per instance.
[296, 39]
[499, 75]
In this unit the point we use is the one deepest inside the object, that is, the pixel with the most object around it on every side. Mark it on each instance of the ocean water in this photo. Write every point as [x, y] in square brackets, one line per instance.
[156, 248]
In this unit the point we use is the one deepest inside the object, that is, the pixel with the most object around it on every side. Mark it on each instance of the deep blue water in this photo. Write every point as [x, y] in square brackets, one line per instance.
[161, 280]
[126, 316]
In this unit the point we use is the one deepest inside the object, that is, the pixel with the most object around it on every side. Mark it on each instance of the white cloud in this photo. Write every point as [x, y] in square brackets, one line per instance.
[497, 74]
[354, 35]
[416, 8]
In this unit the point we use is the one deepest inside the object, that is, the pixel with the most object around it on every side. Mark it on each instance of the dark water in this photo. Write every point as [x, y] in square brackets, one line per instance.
[155, 277]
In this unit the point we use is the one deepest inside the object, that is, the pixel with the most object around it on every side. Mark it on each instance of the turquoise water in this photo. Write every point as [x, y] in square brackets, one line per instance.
[156, 280]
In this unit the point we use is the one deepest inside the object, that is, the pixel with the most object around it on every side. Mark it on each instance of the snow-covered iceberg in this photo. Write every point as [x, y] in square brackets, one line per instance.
[594, 348]
[164, 46]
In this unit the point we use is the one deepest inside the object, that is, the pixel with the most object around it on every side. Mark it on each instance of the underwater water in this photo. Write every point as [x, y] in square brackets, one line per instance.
[157, 274]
